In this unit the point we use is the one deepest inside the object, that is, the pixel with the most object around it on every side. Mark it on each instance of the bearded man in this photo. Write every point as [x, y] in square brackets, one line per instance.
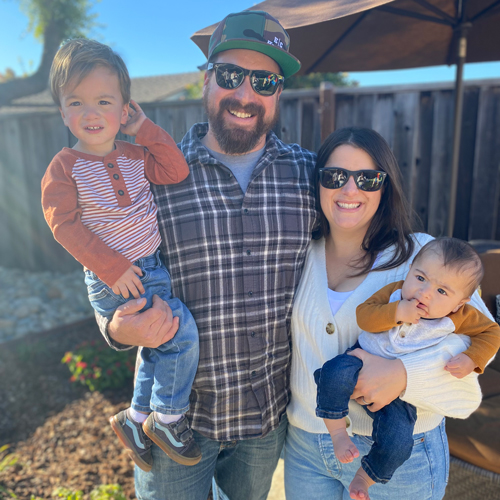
[234, 238]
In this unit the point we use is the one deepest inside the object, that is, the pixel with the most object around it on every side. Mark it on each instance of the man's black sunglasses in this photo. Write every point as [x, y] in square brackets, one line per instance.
[366, 180]
[230, 76]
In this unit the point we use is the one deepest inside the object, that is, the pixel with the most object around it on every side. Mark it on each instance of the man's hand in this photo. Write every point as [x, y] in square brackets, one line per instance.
[460, 366]
[136, 117]
[150, 328]
[380, 381]
[408, 312]
[129, 281]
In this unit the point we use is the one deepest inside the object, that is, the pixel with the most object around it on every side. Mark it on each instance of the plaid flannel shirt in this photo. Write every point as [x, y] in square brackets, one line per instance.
[235, 260]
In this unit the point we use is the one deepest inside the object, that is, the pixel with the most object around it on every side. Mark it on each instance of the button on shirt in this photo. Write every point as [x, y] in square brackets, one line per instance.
[235, 260]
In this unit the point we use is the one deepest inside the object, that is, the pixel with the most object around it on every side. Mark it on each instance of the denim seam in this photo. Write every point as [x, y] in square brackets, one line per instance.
[324, 458]
[431, 467]
[445, 447]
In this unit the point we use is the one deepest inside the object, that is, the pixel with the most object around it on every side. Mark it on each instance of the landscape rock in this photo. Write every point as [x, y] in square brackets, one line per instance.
[34, 302]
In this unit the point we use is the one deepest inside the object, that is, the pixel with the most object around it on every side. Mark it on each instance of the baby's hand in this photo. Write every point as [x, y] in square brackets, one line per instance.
[408, 312]
[461, 365]
[136, 118]
[129, 281]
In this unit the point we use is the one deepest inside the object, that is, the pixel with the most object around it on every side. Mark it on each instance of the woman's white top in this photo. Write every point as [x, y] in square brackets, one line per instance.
[318, 335]
[337, 299]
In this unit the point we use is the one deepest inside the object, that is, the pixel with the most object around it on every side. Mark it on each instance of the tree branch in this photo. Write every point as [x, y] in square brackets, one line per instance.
[38, 81]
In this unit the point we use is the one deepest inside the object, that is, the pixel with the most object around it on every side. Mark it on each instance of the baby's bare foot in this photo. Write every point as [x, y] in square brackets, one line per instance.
[345, 450]
[358, 489]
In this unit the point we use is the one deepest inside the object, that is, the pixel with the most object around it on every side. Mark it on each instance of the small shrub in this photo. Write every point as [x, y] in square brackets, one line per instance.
[102, 492]
[6, 459]
[99, 367]
[107, 492]
[67, 494]
[6, 493]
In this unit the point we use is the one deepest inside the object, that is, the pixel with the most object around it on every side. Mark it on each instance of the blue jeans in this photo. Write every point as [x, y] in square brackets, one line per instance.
[392, 425]
[165, 376]
[242, 469]
[313, 471]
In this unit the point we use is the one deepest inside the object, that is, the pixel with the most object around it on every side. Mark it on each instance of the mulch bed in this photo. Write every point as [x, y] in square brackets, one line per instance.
[59, 431]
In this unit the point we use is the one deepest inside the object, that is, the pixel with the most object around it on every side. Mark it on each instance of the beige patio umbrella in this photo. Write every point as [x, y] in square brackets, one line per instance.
[369, 35]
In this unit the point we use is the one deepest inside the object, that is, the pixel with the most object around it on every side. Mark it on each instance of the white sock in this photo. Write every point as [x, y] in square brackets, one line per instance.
[167, 419]
[137, 416]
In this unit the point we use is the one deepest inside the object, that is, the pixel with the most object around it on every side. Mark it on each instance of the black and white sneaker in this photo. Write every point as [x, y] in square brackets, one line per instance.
[175, 439]
[133, 438]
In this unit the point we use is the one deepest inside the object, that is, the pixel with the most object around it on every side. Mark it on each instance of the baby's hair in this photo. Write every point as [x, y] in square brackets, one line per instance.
[77, 58]
[459, 255]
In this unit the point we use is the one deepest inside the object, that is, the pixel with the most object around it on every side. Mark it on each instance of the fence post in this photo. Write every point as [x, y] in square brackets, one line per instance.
[326, 109]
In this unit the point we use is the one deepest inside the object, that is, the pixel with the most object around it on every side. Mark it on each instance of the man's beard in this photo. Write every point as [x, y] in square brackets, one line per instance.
[234, 140]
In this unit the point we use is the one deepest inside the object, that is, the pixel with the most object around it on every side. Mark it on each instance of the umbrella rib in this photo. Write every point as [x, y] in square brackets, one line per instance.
[416, 15]
[485, 11]
[435, 9]
[336, 43]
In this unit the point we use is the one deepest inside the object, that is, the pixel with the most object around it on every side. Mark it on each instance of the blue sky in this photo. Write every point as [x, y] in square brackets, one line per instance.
[153, 38]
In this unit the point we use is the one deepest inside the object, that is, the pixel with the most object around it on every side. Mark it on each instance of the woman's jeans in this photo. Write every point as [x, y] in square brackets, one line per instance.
[313, 471]
[165, 376]
[392, 425]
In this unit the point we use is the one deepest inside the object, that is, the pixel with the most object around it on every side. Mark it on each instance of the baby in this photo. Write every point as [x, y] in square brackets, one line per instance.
[403, 317]
[97, 201]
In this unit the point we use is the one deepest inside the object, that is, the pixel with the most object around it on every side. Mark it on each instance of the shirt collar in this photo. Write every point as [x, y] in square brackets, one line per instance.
[194, 151]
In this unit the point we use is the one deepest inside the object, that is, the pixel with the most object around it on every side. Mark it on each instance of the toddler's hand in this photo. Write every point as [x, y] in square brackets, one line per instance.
[408, 312]
[460, 366]
[136, 118]
[129, 281]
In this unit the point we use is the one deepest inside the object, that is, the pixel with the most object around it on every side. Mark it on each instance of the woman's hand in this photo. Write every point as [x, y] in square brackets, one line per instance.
[380, 380]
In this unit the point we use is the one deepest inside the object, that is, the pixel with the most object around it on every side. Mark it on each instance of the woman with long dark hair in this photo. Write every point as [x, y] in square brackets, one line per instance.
[366, 241]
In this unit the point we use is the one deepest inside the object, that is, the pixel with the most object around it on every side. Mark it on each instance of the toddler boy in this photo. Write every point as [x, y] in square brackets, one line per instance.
[97, 201]
[403, 317]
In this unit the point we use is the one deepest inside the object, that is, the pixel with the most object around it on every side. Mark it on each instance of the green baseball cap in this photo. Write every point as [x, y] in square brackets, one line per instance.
[255, 30]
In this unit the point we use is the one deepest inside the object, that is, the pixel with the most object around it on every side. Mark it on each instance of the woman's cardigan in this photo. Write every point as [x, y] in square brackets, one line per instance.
[318, 336]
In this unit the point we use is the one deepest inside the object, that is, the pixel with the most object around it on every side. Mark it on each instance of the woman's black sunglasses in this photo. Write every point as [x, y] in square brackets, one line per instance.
[230, 76]
[366, 180]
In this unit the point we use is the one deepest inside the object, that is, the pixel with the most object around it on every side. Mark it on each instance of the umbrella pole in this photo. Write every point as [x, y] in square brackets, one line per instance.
[457, 125]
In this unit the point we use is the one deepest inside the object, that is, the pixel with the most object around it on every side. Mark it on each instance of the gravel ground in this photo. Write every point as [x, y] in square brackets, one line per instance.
[33, 302]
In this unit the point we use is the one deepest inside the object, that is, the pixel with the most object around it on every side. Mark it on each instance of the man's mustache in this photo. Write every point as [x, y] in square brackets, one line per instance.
[229, 103]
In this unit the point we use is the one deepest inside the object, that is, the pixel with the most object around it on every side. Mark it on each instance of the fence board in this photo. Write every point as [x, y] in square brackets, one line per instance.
[486, 176]
[17, 195]
[439, 194]
[406, 128]
[416, 120]
[423, 160]
[383, 117]
[344, 115]
[290, 120]
[466, 163]
[364, 105]
[6, 163]
[307, 135]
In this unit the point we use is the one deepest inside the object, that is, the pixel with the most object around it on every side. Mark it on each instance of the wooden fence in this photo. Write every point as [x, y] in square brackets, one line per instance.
[416, 120]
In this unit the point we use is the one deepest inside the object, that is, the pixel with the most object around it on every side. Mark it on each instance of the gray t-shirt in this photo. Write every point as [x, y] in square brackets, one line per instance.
[240, 165]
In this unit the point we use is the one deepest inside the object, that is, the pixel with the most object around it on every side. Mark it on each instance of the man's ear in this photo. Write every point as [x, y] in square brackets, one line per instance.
[206, 80]
[461, 303]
